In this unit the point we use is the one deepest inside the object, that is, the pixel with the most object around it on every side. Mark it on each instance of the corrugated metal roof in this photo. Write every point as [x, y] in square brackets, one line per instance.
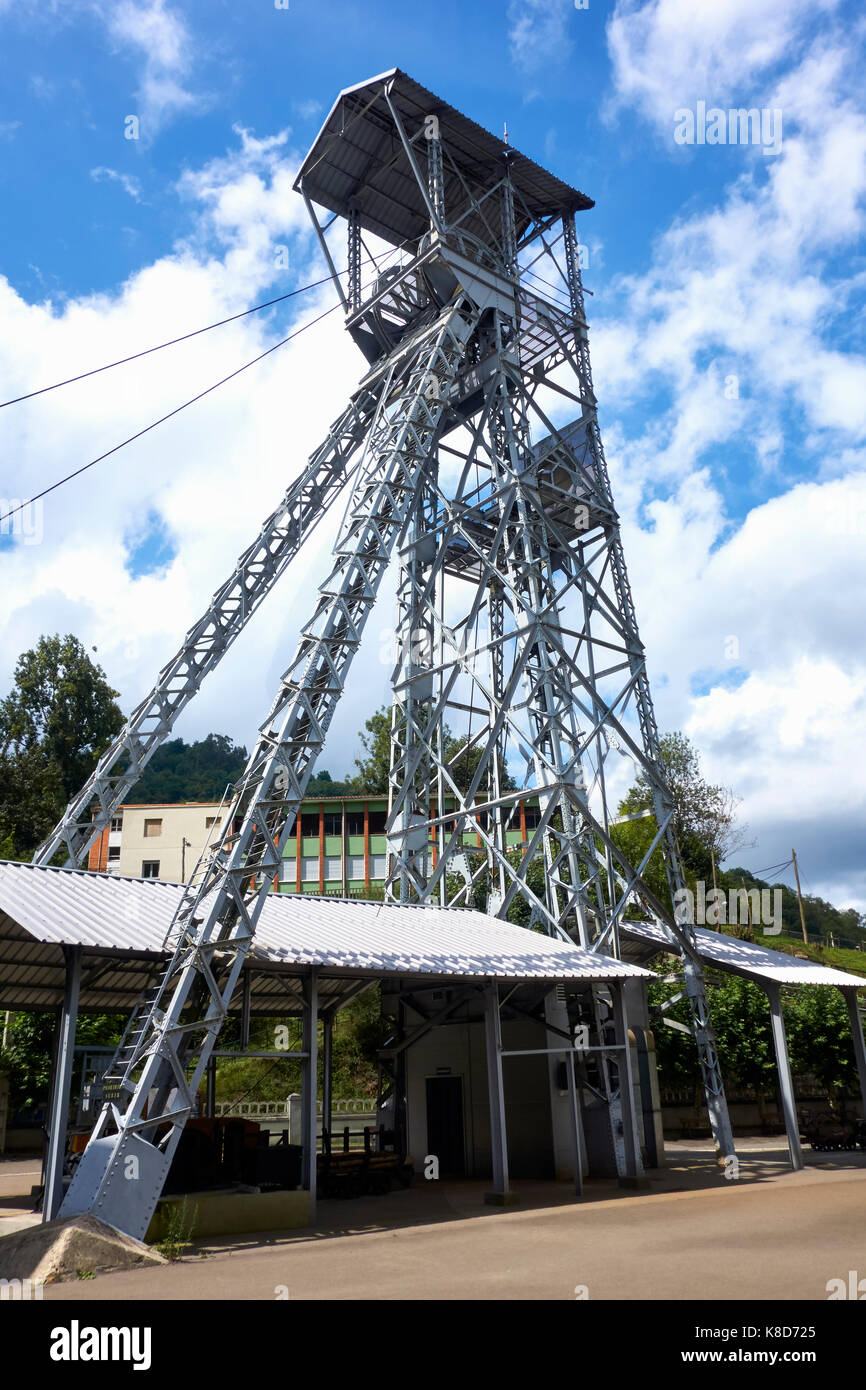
[358, 159]
[747, 957]
[109, 913]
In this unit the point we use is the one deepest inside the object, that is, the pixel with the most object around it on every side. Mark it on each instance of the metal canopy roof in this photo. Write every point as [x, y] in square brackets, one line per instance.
[358, 160]
[121, 923]
[738, 957]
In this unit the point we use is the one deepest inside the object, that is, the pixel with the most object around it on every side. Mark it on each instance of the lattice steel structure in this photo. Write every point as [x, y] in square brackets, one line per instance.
[519, 672]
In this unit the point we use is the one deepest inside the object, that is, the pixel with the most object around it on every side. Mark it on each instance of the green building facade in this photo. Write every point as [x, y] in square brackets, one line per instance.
[338, 845]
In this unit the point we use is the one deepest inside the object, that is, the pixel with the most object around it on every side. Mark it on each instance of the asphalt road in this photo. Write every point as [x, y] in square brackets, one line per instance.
[773, 1235]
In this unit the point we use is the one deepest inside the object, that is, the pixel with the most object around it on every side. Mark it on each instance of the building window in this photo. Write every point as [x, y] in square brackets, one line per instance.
[310, 870]
[310, 823]
[333, 823]
[152, 827]
[116, 824]
[333, 868]
[210, 821]
[377, 822]
[150, 868]
[354, 822]
[533, 817]
[113, 853]
[355, 867]
[378, 865]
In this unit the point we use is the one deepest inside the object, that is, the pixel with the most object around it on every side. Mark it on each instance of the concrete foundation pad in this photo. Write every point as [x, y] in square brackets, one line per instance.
[232, 1213]
[62, 1249]
[501, 1199]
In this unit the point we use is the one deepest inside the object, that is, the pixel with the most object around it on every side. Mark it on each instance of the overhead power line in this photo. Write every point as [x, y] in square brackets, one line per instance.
[178, 408]
[94, 371]
[162, 419]
[772, 869]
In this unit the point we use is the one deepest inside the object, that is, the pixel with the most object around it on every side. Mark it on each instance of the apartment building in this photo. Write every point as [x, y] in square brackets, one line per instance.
[163, 840]
[338, 844]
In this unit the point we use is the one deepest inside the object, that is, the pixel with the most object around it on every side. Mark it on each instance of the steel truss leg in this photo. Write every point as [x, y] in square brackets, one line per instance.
[651, 762]
[581, 858]
[539, 696]
[409, 793]
[213, 932]
[259, 567]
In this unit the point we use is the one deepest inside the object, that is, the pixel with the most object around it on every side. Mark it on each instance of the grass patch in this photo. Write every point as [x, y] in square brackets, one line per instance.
[179, 1227]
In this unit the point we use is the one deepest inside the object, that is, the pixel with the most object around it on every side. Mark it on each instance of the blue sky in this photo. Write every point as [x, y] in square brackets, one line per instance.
[727, 334]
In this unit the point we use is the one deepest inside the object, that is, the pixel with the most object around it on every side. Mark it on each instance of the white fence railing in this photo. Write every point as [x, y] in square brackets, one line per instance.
[282, 1109]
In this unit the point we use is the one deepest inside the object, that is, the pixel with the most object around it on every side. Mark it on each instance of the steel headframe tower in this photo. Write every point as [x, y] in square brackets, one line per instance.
[516, 625]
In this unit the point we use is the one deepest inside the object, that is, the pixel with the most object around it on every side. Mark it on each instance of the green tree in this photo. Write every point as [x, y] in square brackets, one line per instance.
[819, 1040]
[704, 819]
[373, 767]
[31, 801]
[741, 1021]
[197, 771]
[704, 814]
[27, 1056]
[58, 718]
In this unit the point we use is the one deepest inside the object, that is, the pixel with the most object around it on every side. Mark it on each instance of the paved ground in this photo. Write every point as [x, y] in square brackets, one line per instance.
[692, 1234]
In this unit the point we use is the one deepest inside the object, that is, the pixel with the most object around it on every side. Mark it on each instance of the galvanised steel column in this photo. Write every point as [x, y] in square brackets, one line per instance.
[496, 1091]
[309, 1087]
[574, 1107]
[327, 1080]
[633, 1164]
[849, 994]
[53, 1195]
[783, 1067]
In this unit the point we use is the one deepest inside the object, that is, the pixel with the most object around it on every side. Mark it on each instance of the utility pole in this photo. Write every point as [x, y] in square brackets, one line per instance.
[748, 903]
[718, 924]
[799, 897]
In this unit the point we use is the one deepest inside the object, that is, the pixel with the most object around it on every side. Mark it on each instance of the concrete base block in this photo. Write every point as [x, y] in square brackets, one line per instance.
[501, 1199]
[58, 1250]
[232, 1213]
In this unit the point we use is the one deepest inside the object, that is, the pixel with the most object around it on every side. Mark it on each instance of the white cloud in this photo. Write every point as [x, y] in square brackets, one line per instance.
[749, 643]
[668, 54]
[307, 110]
[128, 183]
[211, 475]
[538, 33]
[754, 287]
[159, 37]
[153, 33]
